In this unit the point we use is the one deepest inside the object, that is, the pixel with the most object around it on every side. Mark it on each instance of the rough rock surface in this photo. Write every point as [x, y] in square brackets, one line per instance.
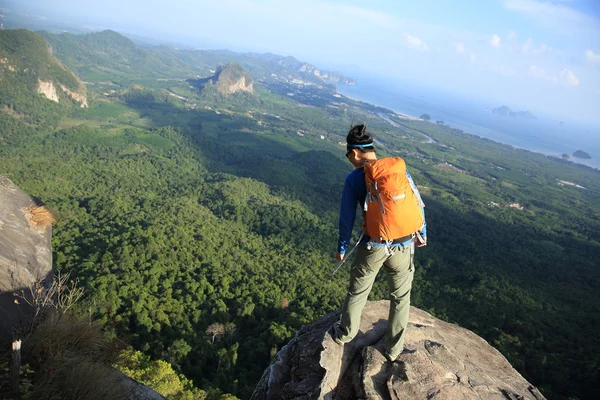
[449, 362]
[135, 390]
[78, 96]
[25, 251]
[48, 90]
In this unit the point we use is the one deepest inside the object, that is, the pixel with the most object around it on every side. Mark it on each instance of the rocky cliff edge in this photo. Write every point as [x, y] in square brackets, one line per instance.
[449, 362]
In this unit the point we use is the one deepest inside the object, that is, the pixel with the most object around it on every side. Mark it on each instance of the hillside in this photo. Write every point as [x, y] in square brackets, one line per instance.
[34, 86]
[108, 55]
[184, 214]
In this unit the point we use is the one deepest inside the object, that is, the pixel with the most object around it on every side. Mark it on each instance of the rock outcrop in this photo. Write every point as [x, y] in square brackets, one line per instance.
[230, 78]
[78, 96]
[48, 90]
[25, 250]
[505, 111]
[448, 362]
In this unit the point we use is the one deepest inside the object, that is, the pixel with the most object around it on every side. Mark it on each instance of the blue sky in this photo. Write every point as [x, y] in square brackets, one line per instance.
[529, 54]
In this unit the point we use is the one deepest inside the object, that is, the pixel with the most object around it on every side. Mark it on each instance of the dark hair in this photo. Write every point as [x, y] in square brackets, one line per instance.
[358, 135]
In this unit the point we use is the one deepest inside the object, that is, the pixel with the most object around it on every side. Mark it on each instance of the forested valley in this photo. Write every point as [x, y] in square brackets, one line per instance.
[203, 227]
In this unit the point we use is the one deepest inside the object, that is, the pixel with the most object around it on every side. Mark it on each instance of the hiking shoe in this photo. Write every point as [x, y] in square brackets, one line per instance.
[389, 357]
[337, 333]
[405, 350]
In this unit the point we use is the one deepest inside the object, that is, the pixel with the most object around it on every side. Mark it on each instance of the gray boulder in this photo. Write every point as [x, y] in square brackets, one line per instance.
[25, 252]
[450, 362]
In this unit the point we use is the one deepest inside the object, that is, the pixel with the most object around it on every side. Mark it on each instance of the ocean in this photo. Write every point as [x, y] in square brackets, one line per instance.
[544, 135]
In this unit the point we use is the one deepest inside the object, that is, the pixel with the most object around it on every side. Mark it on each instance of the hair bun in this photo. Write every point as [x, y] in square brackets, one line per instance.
[358, 135]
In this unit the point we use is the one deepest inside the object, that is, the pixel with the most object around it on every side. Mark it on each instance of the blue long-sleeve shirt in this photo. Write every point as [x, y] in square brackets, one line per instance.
[355, 192]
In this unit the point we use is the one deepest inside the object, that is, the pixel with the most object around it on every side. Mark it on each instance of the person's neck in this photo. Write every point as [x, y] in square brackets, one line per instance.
[367, 157]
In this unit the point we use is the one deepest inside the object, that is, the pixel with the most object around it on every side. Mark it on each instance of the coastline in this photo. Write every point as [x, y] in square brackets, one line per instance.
[402, 115]
[398, 113]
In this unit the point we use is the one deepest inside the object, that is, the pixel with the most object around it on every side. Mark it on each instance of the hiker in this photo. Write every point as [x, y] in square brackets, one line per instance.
[395, 254]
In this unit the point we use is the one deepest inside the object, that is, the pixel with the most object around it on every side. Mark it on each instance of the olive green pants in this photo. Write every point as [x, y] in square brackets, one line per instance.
[400, 270]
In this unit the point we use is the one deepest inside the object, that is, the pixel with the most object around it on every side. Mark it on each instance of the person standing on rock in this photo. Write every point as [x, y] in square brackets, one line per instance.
[394, 221]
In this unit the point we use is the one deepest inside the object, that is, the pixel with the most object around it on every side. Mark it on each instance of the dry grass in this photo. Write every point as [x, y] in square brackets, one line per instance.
[39, 217]
[72, 360]
[75, 378]
[57, 337]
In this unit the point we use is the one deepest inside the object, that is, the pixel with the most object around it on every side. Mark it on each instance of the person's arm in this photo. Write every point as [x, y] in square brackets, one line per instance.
[347, 216]
[423, 230]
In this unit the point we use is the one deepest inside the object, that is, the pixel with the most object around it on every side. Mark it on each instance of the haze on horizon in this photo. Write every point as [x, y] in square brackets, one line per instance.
[538, 55]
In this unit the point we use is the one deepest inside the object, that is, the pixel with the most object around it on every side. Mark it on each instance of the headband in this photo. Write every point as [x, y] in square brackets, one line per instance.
[359, 146]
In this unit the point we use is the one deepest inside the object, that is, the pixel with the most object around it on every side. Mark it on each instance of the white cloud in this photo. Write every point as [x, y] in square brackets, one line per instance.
[567, 76]
[472, 58]
[528, 47]
[512, 35]
[460, 47]
[592, 58]
[495, 41]
[539, 73]
[414, 42]
[509, 72]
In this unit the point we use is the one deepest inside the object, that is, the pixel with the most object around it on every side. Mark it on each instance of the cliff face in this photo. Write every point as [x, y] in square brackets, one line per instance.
[230, 78]
[48, 90]
[79, 95]
[448, 362]
[28, 68]
[25, 251]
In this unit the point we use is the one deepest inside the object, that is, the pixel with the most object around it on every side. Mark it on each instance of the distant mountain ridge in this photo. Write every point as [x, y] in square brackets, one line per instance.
[102, 55]
[94, 56]
[326, 76]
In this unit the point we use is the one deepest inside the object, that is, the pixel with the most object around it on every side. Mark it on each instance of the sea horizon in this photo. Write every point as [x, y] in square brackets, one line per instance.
[544, 135]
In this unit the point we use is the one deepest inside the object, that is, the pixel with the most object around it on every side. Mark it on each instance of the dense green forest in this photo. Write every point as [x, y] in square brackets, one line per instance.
[203, 227]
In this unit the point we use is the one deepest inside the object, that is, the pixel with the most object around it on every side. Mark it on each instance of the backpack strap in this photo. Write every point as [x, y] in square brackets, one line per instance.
[416, 192]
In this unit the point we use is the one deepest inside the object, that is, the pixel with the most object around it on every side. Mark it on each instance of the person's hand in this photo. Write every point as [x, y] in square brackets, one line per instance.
[421, 244]
[339, 256]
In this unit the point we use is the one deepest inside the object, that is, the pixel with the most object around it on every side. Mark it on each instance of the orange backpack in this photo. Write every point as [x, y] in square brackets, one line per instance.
[392, 208]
